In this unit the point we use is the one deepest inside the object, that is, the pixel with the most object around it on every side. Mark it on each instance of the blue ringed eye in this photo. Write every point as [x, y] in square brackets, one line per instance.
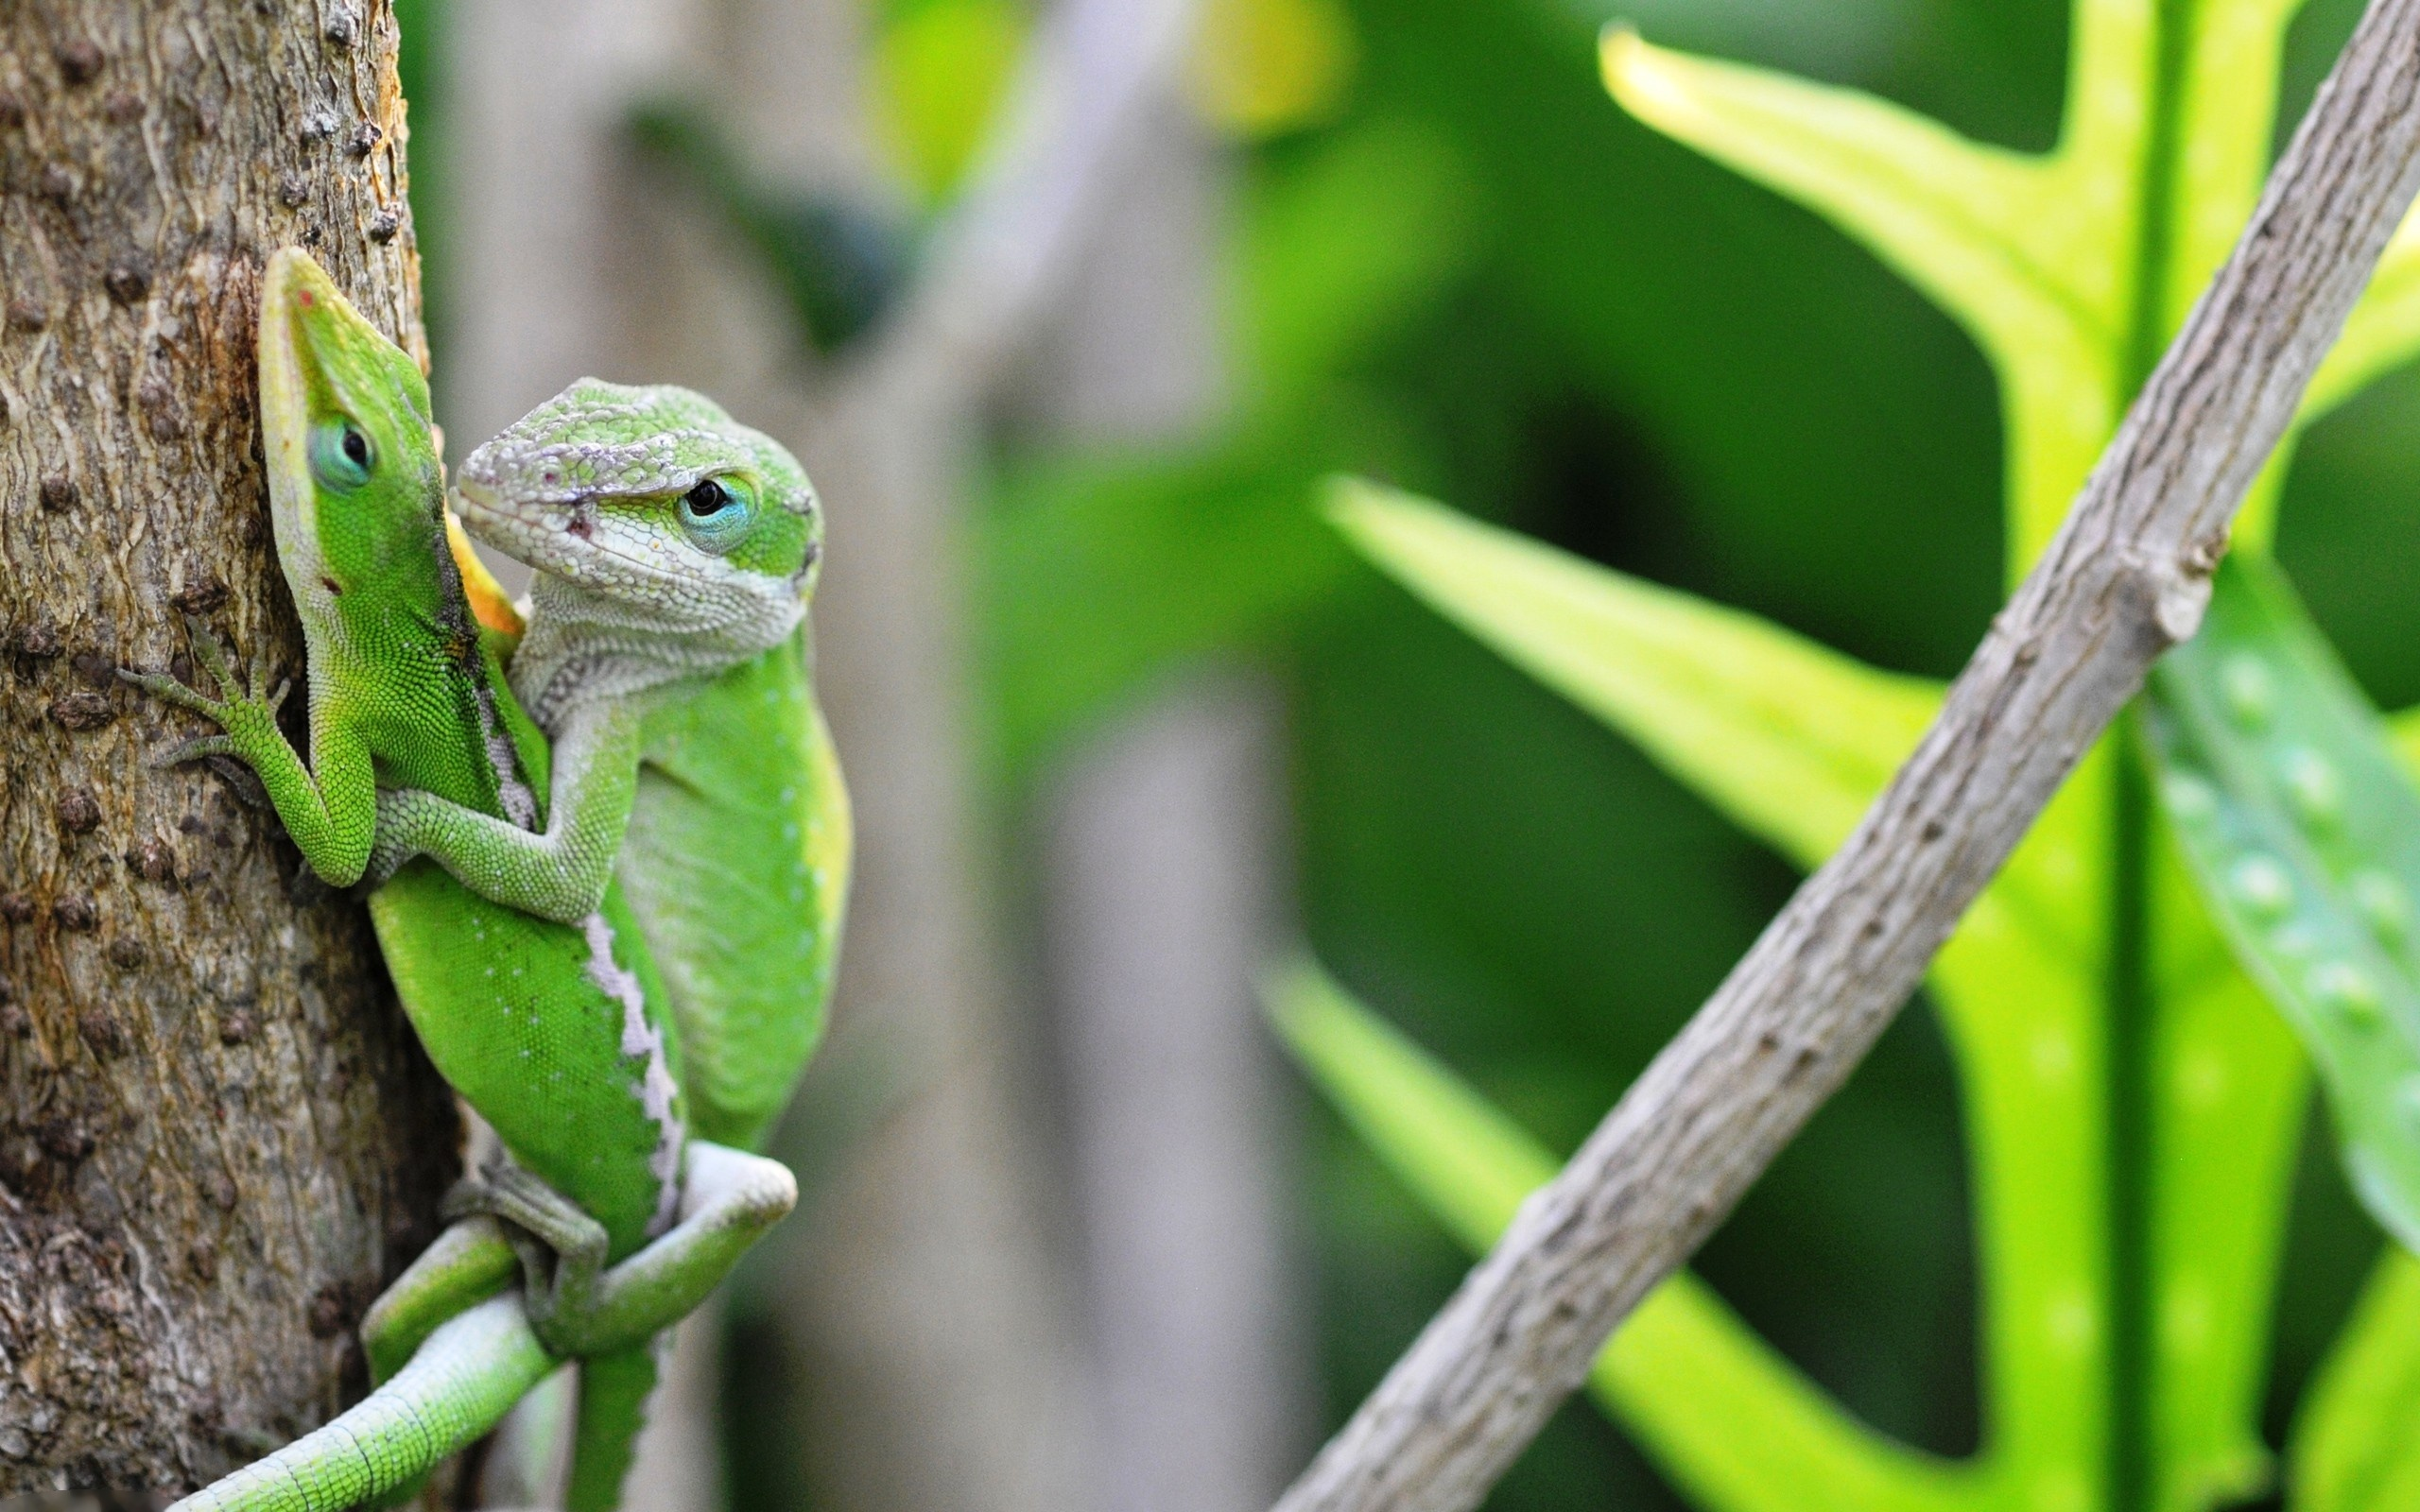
[715, 515]
[342, 454]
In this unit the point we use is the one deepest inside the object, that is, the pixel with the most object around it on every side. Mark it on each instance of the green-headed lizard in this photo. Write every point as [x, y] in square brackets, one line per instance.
[554, 1032]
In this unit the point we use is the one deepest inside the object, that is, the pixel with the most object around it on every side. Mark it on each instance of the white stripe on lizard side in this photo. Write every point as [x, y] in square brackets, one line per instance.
[655, 1089]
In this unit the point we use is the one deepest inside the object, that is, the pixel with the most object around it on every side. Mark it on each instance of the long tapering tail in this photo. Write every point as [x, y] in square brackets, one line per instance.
[465, 1378]
[614, 1392]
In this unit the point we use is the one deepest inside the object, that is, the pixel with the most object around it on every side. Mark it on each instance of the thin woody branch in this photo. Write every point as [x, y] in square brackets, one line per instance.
[2127, 577]
[1096, 69]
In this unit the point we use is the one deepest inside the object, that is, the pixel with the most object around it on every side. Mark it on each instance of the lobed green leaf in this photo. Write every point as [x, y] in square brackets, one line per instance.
[2356, 1440]
[2028, 254]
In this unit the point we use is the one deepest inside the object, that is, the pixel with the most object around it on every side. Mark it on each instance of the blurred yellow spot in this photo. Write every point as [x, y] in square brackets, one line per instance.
[1264, 68]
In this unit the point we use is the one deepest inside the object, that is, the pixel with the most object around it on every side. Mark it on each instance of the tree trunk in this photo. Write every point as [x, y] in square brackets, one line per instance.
[216, 1135]
[1159, 878]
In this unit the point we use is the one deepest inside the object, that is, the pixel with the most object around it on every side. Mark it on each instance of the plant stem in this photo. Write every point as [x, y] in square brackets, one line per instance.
[2128, 1128]
[2130, 1011]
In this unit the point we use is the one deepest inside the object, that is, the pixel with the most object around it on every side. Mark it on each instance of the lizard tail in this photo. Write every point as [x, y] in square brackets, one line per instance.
[613, 1391]
[465, 1378]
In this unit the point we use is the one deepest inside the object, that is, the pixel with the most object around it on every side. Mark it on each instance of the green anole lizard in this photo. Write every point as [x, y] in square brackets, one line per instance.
[666, 657]
[667, 660]
[555, 1033]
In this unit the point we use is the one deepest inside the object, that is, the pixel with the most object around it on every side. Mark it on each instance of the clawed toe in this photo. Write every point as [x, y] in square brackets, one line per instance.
[196, 749]
[520, 1198]
[244, 782]
[168, 689]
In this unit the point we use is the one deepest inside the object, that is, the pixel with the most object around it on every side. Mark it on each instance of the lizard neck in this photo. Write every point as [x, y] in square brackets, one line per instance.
[400, 662]
[582, 646]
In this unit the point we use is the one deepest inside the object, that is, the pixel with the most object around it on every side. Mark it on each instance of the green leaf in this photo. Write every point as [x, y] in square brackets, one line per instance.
[2356, 1444]
[1793, 741]
[1342, 247]
[2019, 250]
[2227, 1123]
[1725, 1416]
[2304, 836]
[1789, 739]
[1978, 228]
[2043, 259]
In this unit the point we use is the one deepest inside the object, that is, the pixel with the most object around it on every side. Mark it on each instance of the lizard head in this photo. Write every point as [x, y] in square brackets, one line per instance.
[354, 485]
[652, 497]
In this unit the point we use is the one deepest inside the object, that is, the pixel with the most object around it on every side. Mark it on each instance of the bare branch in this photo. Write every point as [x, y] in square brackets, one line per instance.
[1092, 70]
[2127, 577]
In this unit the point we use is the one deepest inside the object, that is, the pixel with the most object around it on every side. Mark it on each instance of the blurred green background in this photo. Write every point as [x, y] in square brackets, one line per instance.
[1453, 264]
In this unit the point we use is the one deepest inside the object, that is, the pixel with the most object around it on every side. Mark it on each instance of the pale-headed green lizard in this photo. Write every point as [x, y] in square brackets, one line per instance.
[553, 1032]
[666, 655]
[666, 659]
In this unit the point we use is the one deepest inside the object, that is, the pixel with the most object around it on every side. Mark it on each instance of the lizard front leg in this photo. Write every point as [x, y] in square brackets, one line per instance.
[560, 872]
[327, 804]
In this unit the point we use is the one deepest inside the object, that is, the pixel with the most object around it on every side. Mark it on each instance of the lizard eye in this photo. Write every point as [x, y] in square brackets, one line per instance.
[716, 513]
[342, 454]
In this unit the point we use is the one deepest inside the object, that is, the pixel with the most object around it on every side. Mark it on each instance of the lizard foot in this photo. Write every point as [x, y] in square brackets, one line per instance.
[237, 705]
[562, 1249]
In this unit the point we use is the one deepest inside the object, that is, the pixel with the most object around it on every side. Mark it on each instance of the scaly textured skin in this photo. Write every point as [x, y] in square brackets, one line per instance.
[666, 657]
[554, 1032]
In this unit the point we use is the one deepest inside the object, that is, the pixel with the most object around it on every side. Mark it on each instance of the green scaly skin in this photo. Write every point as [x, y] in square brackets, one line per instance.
[553, 1032]
[666, 659]
[668, 656]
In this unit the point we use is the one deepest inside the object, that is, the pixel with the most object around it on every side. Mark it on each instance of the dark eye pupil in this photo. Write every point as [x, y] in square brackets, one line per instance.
[356, 448]
[707, 498]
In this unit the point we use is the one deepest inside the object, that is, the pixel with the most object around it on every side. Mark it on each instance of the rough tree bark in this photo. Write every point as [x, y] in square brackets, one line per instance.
[215, 1133]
